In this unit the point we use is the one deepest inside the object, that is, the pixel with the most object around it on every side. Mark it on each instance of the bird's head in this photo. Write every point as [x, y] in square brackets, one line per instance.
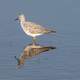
[21, 18]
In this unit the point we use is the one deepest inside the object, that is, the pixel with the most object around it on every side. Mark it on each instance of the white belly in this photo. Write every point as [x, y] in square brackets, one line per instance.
[29, 33]
[32, 35]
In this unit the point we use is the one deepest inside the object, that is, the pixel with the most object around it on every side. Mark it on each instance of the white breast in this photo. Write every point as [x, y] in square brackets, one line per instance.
[28, 32]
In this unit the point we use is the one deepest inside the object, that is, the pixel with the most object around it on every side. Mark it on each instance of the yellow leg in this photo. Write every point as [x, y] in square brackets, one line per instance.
[34, 41]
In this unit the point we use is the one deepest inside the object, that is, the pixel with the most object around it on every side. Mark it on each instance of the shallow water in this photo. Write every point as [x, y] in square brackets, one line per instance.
[62, 63]
[59, 64]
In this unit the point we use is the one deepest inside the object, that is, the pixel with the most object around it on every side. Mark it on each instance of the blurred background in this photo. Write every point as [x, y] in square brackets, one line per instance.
[59, 64]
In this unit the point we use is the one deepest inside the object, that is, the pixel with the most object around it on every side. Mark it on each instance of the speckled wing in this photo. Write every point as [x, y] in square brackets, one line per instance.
[36, 29]
[33, 51]
[36, 51]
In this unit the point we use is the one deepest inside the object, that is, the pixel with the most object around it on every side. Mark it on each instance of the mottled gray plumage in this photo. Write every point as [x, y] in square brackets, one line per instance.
[32, 50]
[33, 29]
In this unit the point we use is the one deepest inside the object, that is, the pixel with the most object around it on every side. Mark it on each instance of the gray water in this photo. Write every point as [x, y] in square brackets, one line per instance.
[62, 63]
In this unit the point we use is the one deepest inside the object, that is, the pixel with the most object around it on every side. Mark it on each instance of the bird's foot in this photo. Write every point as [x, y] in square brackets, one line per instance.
[33, 44]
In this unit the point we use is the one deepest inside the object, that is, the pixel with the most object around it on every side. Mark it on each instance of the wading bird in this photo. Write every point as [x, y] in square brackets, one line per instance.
[32, 29]
[32, 50]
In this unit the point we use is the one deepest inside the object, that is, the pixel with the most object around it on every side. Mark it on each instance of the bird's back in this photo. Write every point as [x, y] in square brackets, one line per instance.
[36, 28]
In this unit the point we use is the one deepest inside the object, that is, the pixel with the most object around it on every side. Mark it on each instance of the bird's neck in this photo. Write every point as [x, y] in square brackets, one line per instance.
[22, 23]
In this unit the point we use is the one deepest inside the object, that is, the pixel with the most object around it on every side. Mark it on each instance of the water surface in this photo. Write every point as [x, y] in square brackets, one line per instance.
[62, 63]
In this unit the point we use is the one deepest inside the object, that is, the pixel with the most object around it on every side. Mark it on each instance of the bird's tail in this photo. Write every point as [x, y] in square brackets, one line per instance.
[53, 31]
[44, 49]
[50, 47]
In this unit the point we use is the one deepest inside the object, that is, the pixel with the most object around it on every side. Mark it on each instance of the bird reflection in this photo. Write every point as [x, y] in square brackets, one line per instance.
[30, 51]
